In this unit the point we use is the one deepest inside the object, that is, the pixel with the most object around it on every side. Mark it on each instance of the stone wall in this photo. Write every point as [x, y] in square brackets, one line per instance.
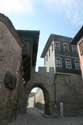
[45, 81]
[69, 90]
[10, 61]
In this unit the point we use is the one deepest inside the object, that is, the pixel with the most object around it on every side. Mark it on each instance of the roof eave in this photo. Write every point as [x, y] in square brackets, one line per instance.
[35, 35]
[51, 37]
[47, 45]
[77, 36]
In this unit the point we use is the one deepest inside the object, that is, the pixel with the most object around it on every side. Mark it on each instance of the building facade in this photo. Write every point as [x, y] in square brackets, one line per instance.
[78, 40]
[62, 57]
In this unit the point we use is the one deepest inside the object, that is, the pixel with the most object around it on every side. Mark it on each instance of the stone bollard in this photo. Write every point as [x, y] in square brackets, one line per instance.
[61, 109]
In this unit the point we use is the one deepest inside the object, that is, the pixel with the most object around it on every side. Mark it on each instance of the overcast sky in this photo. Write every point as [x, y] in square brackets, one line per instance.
[62, 17]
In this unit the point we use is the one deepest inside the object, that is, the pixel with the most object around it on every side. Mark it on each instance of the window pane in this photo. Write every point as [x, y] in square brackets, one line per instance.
[52, 47]
[66, 46]
[74, 49]
[46, 57]
[57, 45]
[44, 61]
[77, 65]
[68, 63]
[49, 52]
[59, 62]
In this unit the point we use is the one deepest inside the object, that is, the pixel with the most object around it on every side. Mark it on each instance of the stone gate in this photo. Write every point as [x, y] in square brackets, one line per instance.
[44, 80]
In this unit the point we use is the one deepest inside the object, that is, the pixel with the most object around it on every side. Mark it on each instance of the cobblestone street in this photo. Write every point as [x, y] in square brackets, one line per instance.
[34, 117]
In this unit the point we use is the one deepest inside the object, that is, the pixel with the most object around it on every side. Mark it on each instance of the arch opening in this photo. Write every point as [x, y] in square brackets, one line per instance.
[45, 98]
[36, 99]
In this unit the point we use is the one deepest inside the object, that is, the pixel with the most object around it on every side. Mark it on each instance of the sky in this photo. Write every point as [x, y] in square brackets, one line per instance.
[62, 17]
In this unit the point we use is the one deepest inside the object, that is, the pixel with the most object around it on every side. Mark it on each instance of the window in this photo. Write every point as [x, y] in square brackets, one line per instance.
[77, 65]
[57, 46]
[44, 61]
[66, 46]
[59, 62]
[52, 47]
[68, 63]
[46, 57]
[49, 52]
[74, 50]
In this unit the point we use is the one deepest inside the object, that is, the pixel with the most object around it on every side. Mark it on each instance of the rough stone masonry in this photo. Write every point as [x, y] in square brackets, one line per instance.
[10, 62]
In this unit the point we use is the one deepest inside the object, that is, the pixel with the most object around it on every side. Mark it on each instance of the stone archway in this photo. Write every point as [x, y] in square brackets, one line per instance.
[45, 81]
[45, 93]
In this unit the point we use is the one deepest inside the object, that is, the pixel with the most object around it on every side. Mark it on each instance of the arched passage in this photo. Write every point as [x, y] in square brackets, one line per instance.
[36, 100]
[45, 92]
